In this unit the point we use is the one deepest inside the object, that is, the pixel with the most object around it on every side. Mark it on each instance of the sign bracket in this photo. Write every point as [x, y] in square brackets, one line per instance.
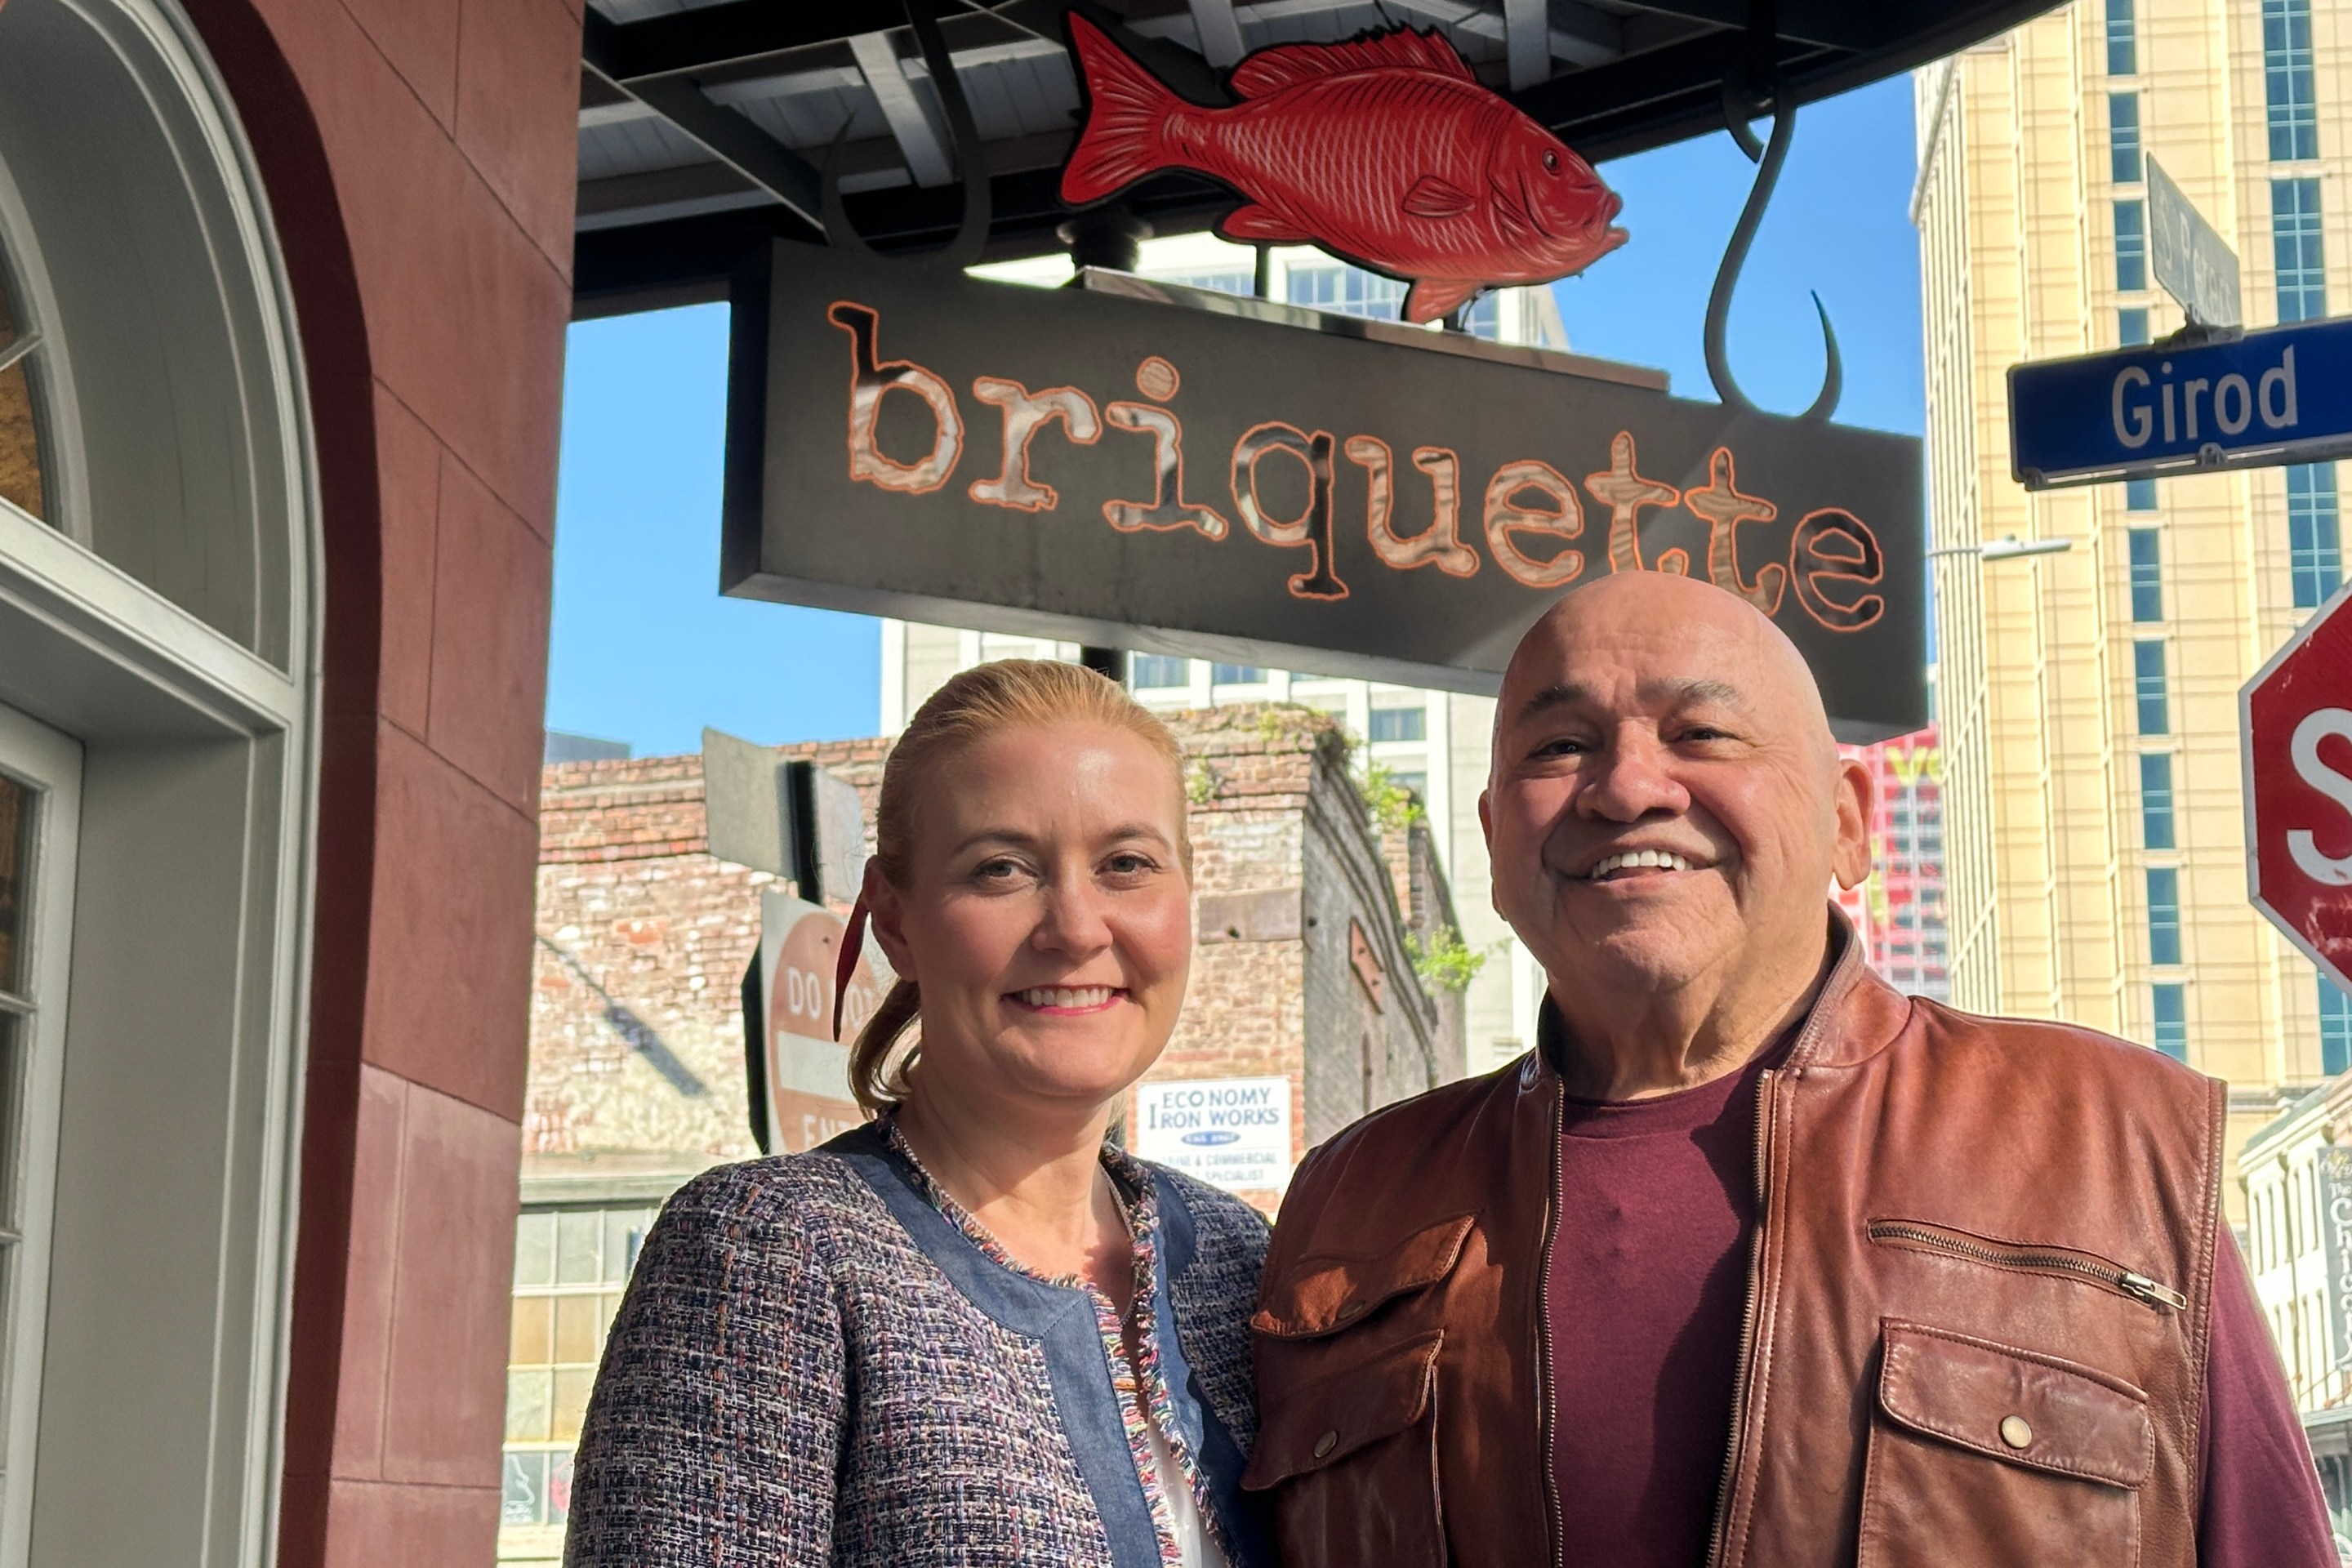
[1768, 157]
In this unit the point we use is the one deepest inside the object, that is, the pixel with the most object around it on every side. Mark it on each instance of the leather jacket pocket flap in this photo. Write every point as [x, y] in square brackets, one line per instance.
[2015, 1405]
[1325, 1292]
[1358, 1404]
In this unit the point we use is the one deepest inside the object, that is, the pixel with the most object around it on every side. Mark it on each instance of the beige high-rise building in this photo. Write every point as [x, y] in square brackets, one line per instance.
[2089, 699]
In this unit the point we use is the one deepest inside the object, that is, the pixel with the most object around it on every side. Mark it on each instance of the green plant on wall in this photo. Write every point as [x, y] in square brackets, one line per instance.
[1445, 962]
[1201, 783]
[1391, 804]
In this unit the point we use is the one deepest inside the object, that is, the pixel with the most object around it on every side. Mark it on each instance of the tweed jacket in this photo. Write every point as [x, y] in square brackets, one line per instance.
[823, 1361]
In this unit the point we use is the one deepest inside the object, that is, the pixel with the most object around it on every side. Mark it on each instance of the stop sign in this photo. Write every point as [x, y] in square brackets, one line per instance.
[2298, 743]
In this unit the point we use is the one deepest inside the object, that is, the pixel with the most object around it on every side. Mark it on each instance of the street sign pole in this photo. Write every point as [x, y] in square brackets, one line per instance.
[2297, 735]
[2209, 396]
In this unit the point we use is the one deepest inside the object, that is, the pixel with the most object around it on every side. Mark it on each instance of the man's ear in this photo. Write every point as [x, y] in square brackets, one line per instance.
[1856, 799]
[1485, 825]
[886, 917]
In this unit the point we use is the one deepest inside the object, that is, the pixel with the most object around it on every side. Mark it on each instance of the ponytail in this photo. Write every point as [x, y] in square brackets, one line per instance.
[878, 1081]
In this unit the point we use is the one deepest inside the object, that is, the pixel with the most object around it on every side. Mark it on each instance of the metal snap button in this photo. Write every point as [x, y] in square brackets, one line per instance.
[2015, 1432]
[1326, 1443]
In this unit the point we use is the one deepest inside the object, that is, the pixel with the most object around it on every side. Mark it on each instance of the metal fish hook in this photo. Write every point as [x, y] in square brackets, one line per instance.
[971, 156]
[1769, 157]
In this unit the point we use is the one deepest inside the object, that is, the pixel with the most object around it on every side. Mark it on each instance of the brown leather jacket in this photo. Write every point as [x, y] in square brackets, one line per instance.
[1977, 1308]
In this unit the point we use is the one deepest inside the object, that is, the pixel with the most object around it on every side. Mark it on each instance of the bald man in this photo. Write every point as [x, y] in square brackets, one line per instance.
[1754, 1261]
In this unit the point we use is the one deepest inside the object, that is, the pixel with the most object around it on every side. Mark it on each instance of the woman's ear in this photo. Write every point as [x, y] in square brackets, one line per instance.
[886, 917]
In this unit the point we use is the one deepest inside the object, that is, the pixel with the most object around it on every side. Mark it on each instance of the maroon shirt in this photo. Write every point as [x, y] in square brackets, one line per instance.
[1648, 1287]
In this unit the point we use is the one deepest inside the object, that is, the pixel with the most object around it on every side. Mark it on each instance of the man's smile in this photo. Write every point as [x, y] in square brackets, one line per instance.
[1641, 863]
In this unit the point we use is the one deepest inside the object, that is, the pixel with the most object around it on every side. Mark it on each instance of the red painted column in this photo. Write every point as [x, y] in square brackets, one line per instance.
[419, 161]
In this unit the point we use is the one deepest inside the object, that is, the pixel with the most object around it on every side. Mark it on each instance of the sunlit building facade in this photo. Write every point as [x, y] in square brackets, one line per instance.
[2089, 713]
[1898, 909]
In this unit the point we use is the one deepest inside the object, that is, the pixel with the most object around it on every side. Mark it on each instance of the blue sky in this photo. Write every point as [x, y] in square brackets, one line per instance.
[646, 651]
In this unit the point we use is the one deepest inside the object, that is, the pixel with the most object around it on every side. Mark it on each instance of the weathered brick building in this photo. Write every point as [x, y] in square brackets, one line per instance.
[1305, 903]
[1307, 898]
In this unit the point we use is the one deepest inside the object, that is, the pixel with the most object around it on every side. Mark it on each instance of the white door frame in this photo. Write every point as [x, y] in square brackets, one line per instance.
[33, 754]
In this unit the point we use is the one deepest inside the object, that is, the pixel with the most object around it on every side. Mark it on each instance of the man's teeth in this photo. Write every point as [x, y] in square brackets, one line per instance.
[1066, 995]
[1639, 859]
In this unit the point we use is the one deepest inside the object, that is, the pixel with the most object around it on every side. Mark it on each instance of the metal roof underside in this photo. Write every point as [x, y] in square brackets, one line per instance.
[704, 124]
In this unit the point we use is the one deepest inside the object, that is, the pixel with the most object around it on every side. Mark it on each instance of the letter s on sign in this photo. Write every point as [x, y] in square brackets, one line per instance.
[2329, 871]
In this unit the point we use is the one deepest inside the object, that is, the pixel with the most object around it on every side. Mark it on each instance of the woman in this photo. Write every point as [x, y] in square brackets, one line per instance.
[972, 1332]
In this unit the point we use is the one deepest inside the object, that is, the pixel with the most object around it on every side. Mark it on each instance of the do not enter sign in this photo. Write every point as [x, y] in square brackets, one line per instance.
[2298, 749]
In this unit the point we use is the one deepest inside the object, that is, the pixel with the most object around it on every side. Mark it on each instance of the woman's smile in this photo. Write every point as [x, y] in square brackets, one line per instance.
[1068, 1001]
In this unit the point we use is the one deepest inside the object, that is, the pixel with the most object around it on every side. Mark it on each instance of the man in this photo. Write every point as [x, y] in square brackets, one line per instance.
[1754, 1261]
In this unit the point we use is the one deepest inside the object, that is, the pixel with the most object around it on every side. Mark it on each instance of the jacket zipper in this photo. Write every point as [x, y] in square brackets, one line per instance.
[1764, 1086]
[1548, 1395]
[2114, 1276]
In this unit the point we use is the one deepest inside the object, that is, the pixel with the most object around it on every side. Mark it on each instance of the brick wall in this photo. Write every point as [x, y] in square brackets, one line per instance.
[418, 158]
[643, 939]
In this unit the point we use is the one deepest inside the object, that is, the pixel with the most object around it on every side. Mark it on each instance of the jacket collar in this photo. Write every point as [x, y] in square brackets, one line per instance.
[1853, 1017]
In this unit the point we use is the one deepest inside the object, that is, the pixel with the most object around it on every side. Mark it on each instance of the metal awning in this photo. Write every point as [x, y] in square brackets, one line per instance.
[704, 125]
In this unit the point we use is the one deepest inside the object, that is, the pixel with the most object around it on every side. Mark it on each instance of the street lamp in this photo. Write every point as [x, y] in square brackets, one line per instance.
[2006, 549]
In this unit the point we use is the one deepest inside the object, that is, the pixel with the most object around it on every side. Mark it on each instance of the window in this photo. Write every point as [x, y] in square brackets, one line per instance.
[1400, 724]
[2123, 137]
[2122, 39]
[15, 861]
[2147, 679]
[2155, 801]
[2315, 561]
[2139, 495]
[1222, 282]
[1236, 674]
[1483, 319]
[2131, 329]
[2163, 915]
[2286, 80]
[1153, 671]
[2146, 575]
[21, 483]
[2334, 1027]
[2171, 1014]
[2131, 246]
[569, 1267]
[1349, 290]
[2295, 243]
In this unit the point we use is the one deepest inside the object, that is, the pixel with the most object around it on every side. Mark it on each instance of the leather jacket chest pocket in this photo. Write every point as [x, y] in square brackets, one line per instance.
[1983, 1453]
[1348, 1376]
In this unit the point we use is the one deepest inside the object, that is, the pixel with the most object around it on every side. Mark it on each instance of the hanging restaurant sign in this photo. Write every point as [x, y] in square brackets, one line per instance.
[1230, 482]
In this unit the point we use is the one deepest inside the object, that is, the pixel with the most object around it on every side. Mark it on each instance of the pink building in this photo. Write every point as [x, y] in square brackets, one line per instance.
[1899, 908]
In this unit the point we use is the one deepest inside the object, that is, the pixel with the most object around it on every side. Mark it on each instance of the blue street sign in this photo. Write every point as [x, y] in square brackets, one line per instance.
[2281, 396]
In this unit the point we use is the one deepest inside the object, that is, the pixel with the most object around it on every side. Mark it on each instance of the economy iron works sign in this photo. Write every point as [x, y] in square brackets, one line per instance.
[1271, 485]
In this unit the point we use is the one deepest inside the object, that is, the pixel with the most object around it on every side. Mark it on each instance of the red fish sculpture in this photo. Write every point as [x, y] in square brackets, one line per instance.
[1385, 149]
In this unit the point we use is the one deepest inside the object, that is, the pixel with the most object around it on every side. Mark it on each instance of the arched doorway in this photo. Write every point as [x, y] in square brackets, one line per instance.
[157, 679]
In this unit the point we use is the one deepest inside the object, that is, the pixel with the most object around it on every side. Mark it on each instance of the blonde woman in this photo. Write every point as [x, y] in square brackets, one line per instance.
[972, 1332]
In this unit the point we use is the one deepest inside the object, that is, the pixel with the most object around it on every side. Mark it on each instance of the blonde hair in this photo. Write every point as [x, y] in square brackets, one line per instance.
[985, 700]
